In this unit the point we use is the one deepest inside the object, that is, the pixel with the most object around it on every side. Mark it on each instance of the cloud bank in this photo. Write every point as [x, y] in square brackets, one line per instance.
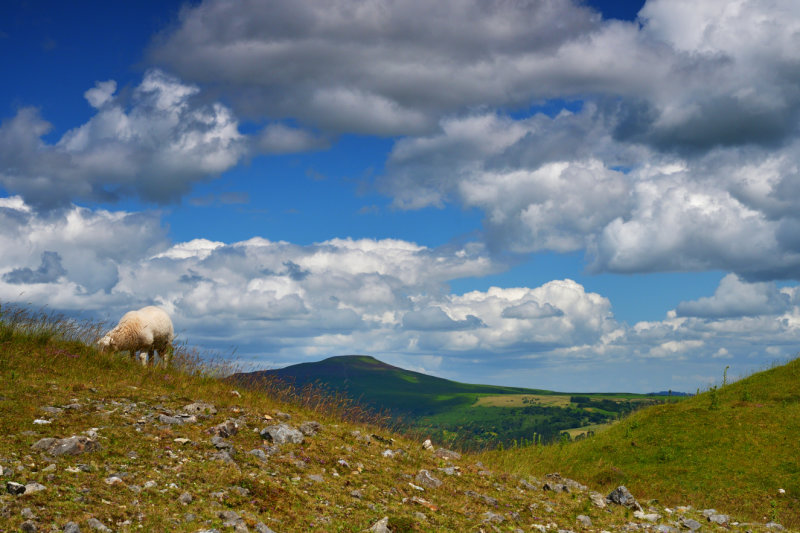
[279, 302]
[681, 154]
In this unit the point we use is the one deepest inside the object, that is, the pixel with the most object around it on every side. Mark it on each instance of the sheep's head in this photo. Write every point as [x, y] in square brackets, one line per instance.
[107, 344]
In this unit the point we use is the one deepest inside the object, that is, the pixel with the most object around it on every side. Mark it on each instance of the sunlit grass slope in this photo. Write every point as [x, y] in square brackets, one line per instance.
[155, 473]
[734, 447]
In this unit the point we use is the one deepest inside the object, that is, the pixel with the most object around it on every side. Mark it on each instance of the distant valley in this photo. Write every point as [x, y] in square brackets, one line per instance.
[464, 415]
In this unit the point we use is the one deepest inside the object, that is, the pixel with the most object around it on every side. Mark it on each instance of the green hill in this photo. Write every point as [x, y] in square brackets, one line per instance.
[383, 386]
[733, 446]
[464, 415]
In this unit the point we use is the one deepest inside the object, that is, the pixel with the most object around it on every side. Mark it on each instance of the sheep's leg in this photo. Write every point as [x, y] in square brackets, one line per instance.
[151, 353]
[143, 358]
[166, 355]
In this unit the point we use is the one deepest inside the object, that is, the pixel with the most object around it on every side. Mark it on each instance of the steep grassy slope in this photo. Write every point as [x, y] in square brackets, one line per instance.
[144, 456]
[180, 450]
[733, 447]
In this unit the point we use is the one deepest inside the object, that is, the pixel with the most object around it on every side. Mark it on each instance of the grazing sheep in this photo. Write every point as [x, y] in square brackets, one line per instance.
[145, 331]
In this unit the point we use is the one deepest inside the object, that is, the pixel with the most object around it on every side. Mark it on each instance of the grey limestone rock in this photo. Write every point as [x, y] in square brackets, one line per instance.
[30, 488]
[69, 446]
[281, 434]
[258, 453]
[310, 428]
[597, 500]
[691, 524]
[450, 455]
[381, 526]
[200, 408]
[225, 429]
[584, 520]
[71, 527]
[425, 479]
[622, 496]
[97, 525]
[15, 488]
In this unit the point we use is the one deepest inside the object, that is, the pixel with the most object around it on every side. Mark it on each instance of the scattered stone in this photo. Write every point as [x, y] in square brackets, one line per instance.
[525, 484]
[555, 487]
[28, 526]
[241, 491]
[258, 453]
[663, 528]
[41, 422]
[718, 518]
[223, 456]
[71, 527]
[584, 520]
[31, 488]
[622, 496]
[387, 453]
[451, 470]
[261, 527]
[177, 420]
[282, 415]
[15, 488]
[425, 479]
[650, 517]
[316, 478]
[235, 393]
[200, 408]
[774, 525]
[225, 429]
[97, 525]
[597, 500]
[490, 517]
[427, 445]
[381, 526]
[52, 410]
[487, 499]
[310, 429]
[449, 455]
[28, 514]
[185, 498]
[221, 444]
[281, 434]
[69, 446]
[691, 524]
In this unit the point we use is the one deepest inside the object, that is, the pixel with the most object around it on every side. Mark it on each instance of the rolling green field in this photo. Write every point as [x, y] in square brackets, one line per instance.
[463, 415]
[734, 446]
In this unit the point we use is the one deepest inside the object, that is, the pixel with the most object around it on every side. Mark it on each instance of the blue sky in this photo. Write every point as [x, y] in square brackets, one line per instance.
[576, 196]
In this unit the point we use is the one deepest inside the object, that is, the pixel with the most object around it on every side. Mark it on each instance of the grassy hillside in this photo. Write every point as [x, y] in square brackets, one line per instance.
[94, 441]
[179, 450]
[733, 447]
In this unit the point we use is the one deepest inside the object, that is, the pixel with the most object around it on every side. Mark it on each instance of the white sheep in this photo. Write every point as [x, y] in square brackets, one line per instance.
[145, 331]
